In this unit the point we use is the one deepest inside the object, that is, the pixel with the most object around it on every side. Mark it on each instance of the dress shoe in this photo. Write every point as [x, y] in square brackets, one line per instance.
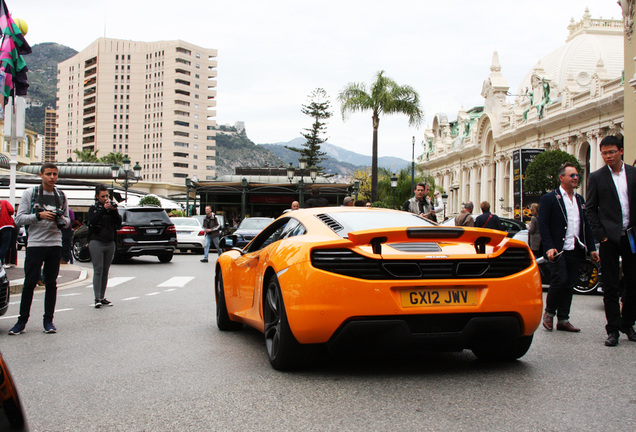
[548, 322]
[567, 326]
[631, 334]
[612, 339]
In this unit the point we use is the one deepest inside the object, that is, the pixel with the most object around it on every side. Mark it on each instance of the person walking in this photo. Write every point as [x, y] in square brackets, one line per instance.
[419, 203]
[7, 225]
[611, 209]
[44, 208]
[534, 236]
[566, 237]
[212, 229]
[487, 219]
[465, 217]
[103, 223]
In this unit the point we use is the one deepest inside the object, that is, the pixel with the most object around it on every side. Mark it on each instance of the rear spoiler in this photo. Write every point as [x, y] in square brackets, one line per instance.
[479, 237]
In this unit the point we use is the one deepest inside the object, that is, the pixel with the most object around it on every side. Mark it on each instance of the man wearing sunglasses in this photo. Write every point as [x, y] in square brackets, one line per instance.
[611, 199]
[566, 238]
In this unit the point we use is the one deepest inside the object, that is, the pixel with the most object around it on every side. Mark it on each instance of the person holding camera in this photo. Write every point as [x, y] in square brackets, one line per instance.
[44, 210]
[103, 222]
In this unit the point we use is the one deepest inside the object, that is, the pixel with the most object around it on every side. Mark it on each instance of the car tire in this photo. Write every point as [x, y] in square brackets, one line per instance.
[166, 257]
[223, 321]
[507, 351]
[283, 350]
[80, 253]
[587, 281]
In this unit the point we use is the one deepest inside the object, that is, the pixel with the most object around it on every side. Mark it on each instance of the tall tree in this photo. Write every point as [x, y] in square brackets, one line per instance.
[318, 110]
[86, 155]
[542, 174]
[385, 96]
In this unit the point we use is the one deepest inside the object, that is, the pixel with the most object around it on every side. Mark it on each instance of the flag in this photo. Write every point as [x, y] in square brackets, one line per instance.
[12, 48]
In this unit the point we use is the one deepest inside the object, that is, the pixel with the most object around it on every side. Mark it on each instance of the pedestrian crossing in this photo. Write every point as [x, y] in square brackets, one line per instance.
[167, 286]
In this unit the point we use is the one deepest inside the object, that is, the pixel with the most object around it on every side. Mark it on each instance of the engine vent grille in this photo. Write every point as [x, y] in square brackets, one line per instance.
[330, 222]
[349, 263]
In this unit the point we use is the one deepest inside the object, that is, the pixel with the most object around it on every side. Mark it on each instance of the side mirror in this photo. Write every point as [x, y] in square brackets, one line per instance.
[226, 243]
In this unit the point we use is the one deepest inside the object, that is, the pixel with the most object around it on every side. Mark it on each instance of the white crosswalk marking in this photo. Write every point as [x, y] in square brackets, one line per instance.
[177, 281]
[113, 282]
[153, 293]
[129, 298]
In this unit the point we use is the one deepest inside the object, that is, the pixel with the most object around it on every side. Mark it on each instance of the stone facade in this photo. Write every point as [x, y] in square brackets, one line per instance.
[570, 100]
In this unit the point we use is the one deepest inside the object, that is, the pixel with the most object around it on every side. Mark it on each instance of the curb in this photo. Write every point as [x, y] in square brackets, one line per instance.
[16, 287]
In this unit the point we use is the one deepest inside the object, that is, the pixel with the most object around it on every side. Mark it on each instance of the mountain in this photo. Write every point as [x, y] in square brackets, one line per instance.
[340, 157]
[42, 76]
[234, 149]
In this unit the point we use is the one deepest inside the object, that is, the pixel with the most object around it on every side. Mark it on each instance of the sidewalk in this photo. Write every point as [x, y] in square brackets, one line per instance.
[69, 273]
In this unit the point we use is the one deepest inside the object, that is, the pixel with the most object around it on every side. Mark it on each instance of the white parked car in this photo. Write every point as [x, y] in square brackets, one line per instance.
[190, 234]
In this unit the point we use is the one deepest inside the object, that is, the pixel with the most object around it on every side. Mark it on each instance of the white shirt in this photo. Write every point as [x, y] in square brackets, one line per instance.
[574, 220]
[620, 181]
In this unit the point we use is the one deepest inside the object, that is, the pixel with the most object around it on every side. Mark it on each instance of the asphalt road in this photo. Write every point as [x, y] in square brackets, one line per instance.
[156, 362]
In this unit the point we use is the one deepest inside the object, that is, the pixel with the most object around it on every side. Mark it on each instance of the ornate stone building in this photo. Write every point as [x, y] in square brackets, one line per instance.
[570, 100]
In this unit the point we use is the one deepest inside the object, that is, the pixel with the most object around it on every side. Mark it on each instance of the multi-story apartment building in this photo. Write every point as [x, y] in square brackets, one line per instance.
[49, 150]
[153, 101]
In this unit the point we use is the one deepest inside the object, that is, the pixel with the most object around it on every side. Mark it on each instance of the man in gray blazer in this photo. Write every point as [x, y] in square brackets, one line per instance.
[611, 211]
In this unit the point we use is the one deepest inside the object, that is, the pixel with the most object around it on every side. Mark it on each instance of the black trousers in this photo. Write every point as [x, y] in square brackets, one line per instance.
[35, 257]
[618, 319]
[564, 271]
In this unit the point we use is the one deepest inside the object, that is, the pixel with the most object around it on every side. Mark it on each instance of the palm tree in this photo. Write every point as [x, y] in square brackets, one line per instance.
[86, 155]
[385, 97]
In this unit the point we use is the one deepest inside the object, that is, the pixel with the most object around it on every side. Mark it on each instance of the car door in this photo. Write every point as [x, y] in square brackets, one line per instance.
[250, 267]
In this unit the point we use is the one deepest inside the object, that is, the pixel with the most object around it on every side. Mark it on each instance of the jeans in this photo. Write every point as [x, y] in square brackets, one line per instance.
[101, 257]
[35, 257]
[208, 240]
[5, 241]
[564, 270]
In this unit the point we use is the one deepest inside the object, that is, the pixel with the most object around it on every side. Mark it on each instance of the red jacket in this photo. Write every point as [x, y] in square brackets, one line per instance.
[6, 211]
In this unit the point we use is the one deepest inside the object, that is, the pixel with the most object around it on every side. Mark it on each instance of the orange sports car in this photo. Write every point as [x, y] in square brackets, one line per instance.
[336, 276]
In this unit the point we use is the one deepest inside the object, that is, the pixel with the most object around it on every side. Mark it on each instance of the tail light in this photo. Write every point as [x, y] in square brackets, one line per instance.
[201, 233]
[127, 230]
[171, 230]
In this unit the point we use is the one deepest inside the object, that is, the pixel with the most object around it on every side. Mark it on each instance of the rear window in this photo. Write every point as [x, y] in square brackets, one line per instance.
[145, 216]
[369, 219]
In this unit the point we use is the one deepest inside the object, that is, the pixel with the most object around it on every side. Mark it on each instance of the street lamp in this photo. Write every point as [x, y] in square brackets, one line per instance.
[356, 188]
[445, 201]
[128, 180]
[394, 182]
[313, 173]
[243, 201]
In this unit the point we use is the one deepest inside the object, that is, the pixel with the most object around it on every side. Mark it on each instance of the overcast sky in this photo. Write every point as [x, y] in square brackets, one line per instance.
[272, 54]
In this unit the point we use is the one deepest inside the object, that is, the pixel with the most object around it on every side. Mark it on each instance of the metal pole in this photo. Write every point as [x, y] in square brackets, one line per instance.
[301, 187]
[394, 198]
[413, 167]
[13, 163]
[187, 197]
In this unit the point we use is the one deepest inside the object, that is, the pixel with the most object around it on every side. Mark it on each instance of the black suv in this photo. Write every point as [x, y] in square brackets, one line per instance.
[146, 230]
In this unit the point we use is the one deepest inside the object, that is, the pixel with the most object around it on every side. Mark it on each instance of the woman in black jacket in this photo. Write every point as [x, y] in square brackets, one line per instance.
[103, 222]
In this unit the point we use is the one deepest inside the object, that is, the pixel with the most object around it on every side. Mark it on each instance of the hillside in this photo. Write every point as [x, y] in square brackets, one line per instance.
[236, 150]
[42, 75]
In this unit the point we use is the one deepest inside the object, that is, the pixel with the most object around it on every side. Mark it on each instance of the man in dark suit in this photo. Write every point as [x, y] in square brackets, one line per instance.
[611, 210]
[566, 237]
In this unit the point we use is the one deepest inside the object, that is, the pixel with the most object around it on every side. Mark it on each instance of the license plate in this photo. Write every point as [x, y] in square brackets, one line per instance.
[439, 297]
[182, 232]
[152, 231]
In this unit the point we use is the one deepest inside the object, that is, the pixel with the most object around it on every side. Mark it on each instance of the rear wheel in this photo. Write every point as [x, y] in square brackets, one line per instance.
[587, 281]
[223, 320]
[80, 253]
[166, 257]
[507, 351]
[282, 348]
